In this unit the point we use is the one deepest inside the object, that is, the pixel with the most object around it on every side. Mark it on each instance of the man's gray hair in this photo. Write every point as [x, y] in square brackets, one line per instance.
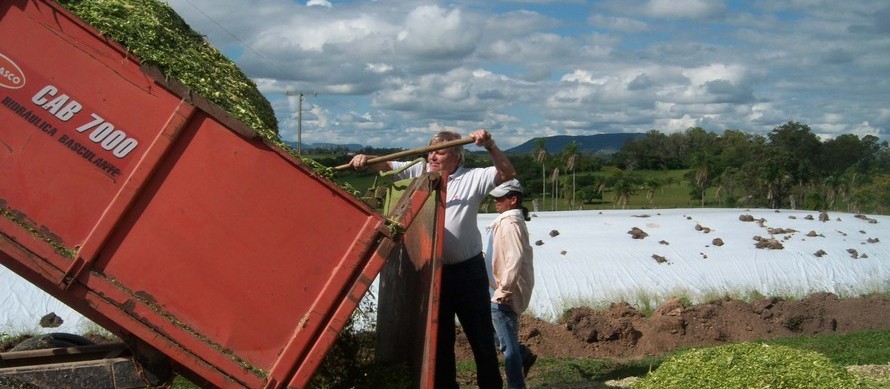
[448, 136]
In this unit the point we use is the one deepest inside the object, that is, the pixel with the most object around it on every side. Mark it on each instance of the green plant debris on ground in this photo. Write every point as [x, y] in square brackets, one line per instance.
[749, 365]
[552, 373]
[866, 358]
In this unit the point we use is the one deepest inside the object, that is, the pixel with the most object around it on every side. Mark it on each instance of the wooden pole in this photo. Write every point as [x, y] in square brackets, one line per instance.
[408, 153]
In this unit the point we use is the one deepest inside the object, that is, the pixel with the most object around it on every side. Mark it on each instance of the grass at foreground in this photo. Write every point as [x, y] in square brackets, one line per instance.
[866, 354]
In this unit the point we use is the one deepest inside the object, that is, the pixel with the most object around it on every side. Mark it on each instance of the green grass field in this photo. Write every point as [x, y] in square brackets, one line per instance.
[673, 194]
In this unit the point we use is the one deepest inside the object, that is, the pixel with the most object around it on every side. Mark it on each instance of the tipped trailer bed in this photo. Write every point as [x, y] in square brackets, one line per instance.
[155, 214]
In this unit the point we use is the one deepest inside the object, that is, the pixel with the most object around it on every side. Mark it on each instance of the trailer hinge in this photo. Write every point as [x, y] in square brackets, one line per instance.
[392, 229]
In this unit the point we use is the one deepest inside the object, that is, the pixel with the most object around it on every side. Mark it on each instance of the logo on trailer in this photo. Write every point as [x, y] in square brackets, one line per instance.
[11, 76]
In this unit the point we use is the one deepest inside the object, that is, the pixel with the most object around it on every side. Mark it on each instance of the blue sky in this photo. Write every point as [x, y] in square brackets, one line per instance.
[391, 73]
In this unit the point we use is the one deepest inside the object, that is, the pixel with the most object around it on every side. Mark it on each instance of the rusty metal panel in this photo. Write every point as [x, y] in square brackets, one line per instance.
[408, 297]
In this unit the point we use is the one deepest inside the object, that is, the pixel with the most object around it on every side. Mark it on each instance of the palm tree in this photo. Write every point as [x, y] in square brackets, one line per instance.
[774, 189]
[831, 190]
[850, 179]
[623, 188]
[726, 184]
[651, 185]
[571, 153]
[540, 153]
[623, 185]
[700, 166]
[554, 180]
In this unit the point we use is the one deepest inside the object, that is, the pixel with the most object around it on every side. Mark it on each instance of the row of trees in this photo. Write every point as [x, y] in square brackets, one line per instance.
[788, 168]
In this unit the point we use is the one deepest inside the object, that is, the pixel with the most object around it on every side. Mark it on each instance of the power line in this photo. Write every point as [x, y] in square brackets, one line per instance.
[235, 37]
[271, 63]
[282, 71]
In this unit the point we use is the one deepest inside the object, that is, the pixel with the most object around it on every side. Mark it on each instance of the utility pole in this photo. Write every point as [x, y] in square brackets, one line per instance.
[299, 118]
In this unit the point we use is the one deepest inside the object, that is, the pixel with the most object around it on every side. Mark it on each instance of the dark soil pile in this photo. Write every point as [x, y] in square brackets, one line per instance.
[622, 332]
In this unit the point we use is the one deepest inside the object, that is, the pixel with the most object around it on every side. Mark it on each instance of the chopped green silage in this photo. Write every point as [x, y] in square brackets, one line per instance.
[749, 365]
[156, 34]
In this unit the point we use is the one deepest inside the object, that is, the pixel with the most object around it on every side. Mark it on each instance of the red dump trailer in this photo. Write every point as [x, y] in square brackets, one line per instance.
[176, 227]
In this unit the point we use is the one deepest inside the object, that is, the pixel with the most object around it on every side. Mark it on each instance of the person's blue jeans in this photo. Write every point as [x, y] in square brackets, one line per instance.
[506, 326]
[464, 293]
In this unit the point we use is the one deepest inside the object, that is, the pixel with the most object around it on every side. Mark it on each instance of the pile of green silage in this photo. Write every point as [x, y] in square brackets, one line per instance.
[156, 34]
[749, 365]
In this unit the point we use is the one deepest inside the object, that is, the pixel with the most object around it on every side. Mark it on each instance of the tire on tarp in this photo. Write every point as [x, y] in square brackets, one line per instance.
[52, 340]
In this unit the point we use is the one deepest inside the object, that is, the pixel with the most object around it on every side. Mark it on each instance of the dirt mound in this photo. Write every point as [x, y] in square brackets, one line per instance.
[622, 332]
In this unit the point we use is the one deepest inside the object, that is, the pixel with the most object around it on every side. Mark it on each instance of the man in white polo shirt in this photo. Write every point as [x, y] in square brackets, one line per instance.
[464, 276]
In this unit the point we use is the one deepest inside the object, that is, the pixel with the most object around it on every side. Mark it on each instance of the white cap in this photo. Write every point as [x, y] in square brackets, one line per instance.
[507, 187]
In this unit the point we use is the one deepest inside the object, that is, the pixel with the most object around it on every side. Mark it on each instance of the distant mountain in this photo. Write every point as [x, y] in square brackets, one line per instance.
[604, 143]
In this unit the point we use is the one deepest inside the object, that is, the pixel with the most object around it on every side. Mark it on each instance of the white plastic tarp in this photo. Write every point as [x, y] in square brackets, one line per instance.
[590, 258]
